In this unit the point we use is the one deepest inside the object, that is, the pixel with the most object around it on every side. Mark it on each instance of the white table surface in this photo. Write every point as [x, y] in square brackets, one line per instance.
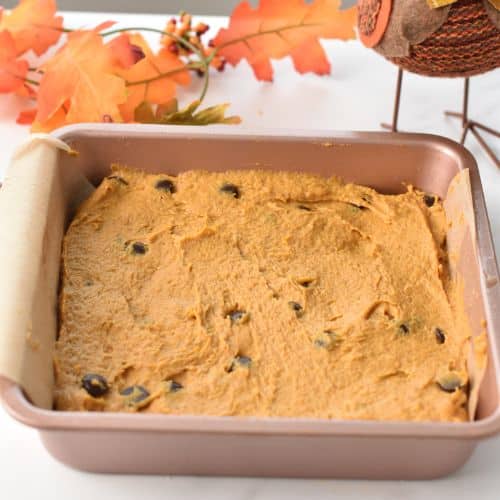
[359, 95]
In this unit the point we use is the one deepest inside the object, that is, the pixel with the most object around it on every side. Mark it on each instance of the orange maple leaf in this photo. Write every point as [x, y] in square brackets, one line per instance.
[153, 79]
[276, 29]
[58, 119]
[26, 117]
[78, 84]
[125, 53]
[12, 71]
[33, 25]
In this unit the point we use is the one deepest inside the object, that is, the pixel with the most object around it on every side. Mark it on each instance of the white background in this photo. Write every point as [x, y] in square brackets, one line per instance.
[358, 96]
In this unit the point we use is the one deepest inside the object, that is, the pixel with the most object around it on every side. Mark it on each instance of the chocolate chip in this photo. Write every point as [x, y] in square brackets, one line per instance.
[96, 385]
[165, 185]
[450, 382]
[404, 329]
[139, 248]
[429, 200]
[243, 361]
[174, 386]
[135, 394]
[305, 283]
[320, 343]
[328, 340]
[230, 189]
[304, 207]
[119, 179]
[359, 207]
[237, 316]
[299, 310]
[440, 336]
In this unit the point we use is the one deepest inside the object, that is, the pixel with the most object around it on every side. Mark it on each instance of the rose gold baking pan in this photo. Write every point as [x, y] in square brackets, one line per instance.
[41, 190]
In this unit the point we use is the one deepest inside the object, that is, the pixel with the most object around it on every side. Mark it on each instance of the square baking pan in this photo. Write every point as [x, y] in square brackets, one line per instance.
[41, 191]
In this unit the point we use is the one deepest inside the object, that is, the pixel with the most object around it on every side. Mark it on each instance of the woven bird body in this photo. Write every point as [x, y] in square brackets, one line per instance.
[456, 39]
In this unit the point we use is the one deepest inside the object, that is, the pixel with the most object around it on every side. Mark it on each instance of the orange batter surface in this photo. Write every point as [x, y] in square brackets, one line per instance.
[259, 293]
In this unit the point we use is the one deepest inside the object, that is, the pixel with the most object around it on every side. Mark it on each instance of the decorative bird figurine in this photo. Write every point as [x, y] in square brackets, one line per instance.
[437, 38]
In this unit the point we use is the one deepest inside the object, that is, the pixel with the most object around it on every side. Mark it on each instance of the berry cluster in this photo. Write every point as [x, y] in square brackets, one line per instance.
[183, 28]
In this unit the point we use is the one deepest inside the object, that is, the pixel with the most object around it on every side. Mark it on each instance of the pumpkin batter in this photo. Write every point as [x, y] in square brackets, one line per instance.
[259, 293]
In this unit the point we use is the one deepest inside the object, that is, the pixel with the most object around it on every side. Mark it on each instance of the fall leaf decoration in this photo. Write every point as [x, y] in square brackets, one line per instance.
[277, 28]
[33, 24]
[208, 116]
[125, 54]
[78, 84]
[153, 78]
[169, 114]
[113, 75]
[12, 72]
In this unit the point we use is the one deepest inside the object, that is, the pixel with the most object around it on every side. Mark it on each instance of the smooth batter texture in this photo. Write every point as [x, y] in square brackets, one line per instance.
[259, 293]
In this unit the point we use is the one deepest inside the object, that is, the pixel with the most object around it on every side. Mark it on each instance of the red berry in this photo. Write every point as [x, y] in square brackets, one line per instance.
[201, 28]
[174, 48]
[222, 65]
[137, 53]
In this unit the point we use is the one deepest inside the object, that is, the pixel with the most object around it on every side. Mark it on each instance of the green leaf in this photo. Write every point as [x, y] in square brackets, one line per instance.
[171, 106]
[208, 116]
[169, 114]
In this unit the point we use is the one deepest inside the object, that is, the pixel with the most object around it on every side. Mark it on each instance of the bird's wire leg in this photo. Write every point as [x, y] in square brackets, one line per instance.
[473, 125]
[465, 129]
[496, 133]
[465, 106]
[397, 101]
[485, 146]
